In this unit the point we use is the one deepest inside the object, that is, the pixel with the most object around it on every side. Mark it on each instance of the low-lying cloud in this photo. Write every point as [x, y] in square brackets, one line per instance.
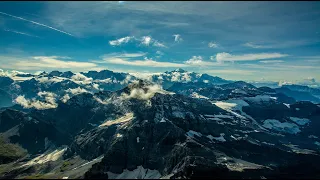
[65, 98]
[76, 91]
[144, 93]
[81, 79]
[48, 101]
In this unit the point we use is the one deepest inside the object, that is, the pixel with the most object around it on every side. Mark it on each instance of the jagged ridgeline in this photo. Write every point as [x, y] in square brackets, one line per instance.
[175, 124]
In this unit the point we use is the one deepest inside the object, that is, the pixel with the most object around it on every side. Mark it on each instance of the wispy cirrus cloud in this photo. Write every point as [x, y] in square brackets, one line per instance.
[256, 46]
[158, 44]
[22, 33]
[271, 61]
[126, 59]
[43, 62]
[36, 23]
[146, 62]
[144, 40]
[231, 71]
[221, 57]
[280, 66]
[53, 61]
[124, 55]
[310, 59]
[280, 44]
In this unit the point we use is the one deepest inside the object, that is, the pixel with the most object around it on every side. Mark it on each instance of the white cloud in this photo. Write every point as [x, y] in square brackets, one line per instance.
[38, 73]
[284, 82]
[146, 40]
[198, 61]
[213, 45]
[121, 41]
[145, 75]
[3, 73]
[49, 97]
[145, 93]
[12, 73]
[177, 38]
[96, 86]
[65, 98]
[271, 61]
[76, 91]
[81, 79]
[220, 57]
[49, 101]
[50, 80]
[194, 60]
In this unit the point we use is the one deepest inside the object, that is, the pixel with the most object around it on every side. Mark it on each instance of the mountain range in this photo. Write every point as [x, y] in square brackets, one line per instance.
[171, 125]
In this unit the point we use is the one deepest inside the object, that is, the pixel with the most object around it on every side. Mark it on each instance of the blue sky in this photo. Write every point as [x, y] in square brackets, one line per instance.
[234, 40]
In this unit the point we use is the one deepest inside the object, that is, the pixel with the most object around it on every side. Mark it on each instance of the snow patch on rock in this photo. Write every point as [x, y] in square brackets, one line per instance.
[192, 133]
[220, 138]
[123, 119]
[300, 121]
[281, 127]
[139, 173]
[288, 105]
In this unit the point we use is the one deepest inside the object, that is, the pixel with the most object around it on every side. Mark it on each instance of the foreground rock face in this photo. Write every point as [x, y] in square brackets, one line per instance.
[174, 139]
[143, 131]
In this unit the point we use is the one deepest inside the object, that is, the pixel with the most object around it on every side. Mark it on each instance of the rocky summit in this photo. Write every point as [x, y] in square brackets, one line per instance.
[178, 124]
